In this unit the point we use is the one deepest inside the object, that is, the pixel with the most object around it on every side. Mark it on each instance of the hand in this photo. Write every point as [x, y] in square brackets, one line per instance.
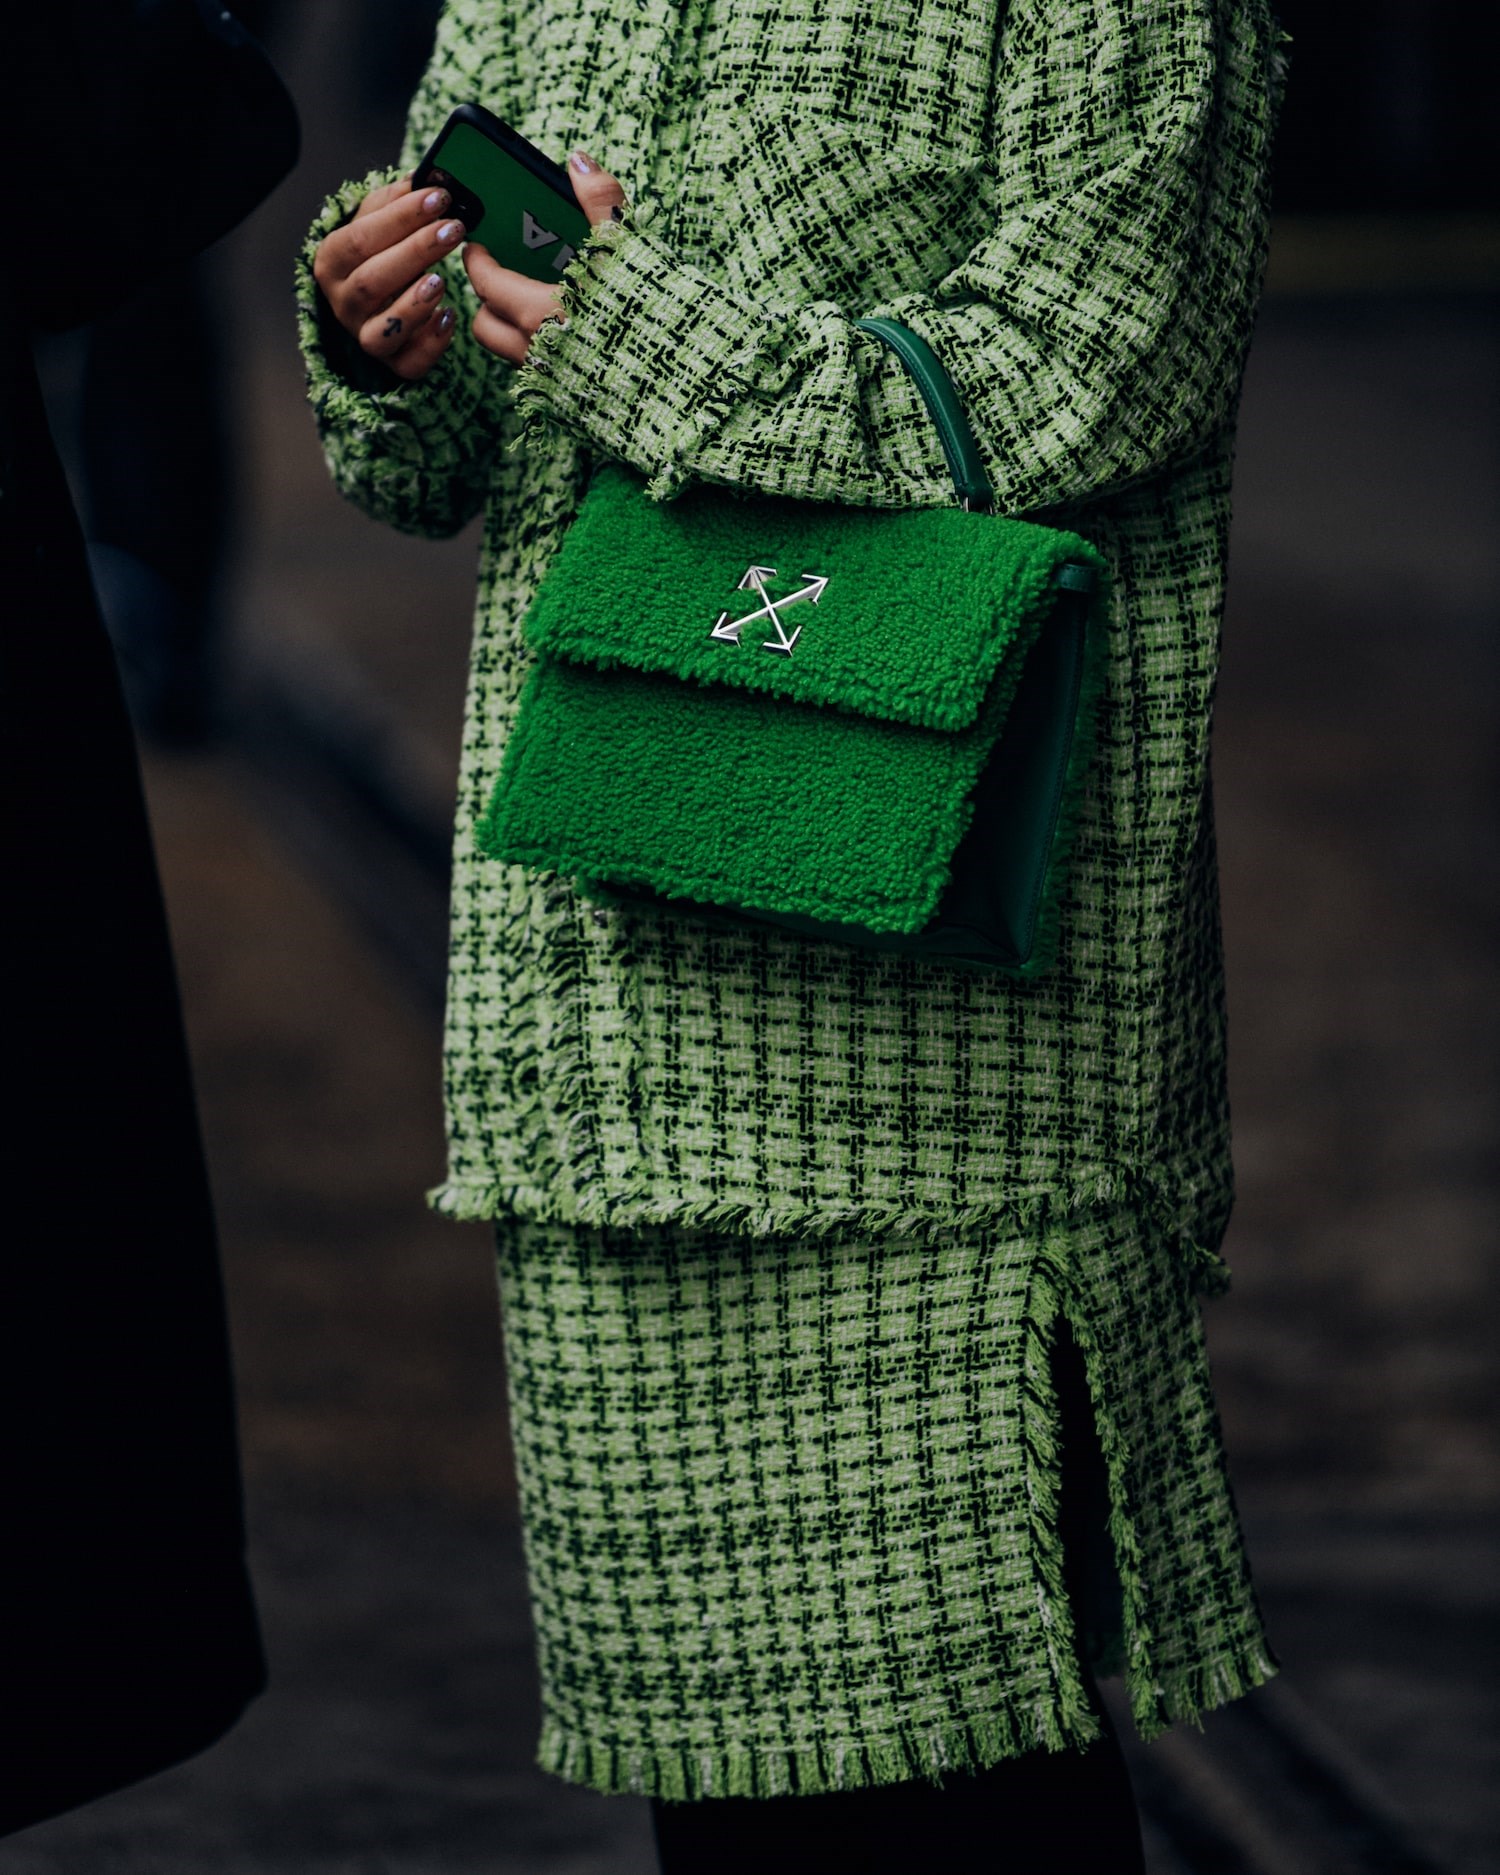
[375, 273]
[513, 307]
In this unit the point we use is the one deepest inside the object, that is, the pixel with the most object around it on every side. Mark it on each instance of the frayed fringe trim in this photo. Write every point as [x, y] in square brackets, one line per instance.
[390, 412]
[1185, 1696]
[1138, 1642]
[591, 1209]
[572, 290]
[532, 392]
[686, 1774]
[766, 346]
[1052, 1715]
[1157, 1700]
[469, 1200]
[1207, 1270]
[1041, 1444]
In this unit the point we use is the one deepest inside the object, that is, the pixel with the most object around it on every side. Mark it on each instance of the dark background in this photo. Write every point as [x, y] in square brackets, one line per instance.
[300, 780]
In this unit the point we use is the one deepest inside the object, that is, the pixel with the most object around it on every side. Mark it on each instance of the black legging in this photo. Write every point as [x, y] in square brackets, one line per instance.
[1052, 1811]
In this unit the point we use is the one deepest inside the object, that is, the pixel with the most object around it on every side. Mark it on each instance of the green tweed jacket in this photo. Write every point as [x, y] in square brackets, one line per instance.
[1069, 203]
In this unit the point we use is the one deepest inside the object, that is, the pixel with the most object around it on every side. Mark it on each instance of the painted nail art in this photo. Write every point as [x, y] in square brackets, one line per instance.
[585, 165]
[617, 213]
[430, 287]
[444, 320]
[435, 203]
[450, 232]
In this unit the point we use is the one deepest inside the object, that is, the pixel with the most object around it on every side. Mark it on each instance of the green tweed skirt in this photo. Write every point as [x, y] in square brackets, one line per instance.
[791, 1506]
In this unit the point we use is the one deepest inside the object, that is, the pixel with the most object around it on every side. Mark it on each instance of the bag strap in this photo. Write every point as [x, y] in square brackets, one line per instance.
[965, 463]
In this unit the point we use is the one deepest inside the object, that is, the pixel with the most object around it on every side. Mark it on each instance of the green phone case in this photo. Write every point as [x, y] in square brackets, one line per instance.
[509, 196]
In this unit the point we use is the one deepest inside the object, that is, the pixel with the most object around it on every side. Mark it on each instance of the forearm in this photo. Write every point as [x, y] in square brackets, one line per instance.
[1096, 331]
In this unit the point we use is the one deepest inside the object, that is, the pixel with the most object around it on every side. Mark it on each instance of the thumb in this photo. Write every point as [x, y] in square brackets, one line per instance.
[599, 196]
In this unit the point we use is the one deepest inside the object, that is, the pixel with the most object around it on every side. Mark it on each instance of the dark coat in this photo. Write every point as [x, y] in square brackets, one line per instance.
[127, 1625]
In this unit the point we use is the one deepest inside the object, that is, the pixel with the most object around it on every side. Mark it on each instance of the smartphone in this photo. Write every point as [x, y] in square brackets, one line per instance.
[517, 202]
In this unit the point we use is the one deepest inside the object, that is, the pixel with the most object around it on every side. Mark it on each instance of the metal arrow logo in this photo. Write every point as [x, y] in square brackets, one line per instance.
[727, 629]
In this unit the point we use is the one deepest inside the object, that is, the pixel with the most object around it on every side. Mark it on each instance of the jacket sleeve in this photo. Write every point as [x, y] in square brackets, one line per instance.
[416, 455]
[1096, 331]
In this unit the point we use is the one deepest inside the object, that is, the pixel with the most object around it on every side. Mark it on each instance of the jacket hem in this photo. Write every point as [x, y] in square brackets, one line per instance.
[468, 1200]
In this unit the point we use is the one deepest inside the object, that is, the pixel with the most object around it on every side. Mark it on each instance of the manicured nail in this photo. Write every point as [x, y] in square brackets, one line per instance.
[430, 287]
[435, 203]
[450, 232]
[444, 321]
[585, 165]
[617, 213]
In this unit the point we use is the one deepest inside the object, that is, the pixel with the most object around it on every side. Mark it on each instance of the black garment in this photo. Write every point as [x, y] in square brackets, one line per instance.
[127, 1628]
[1058, 1812]
[1065, 1812]
[128, 1636]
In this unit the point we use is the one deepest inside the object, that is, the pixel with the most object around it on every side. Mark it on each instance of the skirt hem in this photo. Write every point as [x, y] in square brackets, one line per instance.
[689, 1774]
[1176, 1666]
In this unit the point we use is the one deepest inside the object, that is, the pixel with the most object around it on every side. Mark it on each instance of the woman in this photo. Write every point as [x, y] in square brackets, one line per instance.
[812, 1261]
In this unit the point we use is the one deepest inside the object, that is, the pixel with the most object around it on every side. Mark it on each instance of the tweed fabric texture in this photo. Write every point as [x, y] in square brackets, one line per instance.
[787, 1226]
[1068, 204]
[791, 1505]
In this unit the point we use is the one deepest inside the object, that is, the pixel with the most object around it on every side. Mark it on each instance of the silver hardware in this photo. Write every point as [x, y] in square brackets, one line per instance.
[727, 630]
[781, 642]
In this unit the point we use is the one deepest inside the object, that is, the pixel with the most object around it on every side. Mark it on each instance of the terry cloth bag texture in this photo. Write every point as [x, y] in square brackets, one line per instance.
[898, 768]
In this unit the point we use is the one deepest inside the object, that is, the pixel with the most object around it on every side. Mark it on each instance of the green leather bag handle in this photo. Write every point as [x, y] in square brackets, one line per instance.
[965, 464]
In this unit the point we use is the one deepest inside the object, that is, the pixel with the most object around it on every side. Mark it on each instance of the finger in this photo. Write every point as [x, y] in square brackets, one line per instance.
[420, 353]
[387, 192]
[391, 328]
[500, 337]
[373, 285]
[599, 196]
[370, 234]
[518, 301]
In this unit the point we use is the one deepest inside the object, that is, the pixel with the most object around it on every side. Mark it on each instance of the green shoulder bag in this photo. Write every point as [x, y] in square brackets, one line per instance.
[864, 726]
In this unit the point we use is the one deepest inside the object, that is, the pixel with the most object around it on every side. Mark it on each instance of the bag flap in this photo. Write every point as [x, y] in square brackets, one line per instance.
[904, 614]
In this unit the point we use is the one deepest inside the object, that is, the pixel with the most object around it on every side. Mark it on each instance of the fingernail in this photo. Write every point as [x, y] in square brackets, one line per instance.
[450, 232]
[430, 287]
[617, 213]
[444, 321]
[585, 165]
[435, 203]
